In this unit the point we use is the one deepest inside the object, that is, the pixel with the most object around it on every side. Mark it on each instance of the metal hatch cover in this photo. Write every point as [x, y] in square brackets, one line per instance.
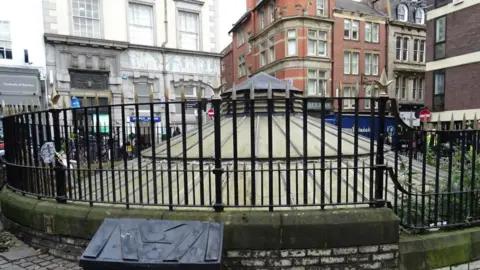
[154, 244]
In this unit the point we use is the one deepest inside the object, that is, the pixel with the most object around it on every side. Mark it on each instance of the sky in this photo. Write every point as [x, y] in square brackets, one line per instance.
[230, 12]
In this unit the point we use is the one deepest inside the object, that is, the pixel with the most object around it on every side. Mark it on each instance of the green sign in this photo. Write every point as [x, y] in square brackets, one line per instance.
[104, 121]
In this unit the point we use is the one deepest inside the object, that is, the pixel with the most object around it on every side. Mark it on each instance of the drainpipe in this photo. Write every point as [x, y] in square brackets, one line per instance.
[386, 51]
[332, 74]
[164, 71]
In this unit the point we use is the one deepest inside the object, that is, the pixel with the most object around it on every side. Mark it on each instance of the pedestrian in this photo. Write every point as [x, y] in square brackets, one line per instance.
[176, 132]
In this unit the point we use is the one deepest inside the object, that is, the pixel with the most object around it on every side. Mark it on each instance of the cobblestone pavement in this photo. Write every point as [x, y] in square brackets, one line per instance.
[37, 262]
[22, 257]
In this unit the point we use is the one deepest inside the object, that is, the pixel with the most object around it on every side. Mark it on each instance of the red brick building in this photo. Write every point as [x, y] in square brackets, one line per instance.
[359, 50]
[292, 40]
[227, 66]
[453, 60]
[286, 39]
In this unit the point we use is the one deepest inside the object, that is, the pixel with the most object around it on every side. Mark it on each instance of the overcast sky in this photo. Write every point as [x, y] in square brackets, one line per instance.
[230, 12]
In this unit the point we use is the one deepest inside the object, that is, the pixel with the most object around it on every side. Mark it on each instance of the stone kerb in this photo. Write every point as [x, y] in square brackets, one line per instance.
[252, 239]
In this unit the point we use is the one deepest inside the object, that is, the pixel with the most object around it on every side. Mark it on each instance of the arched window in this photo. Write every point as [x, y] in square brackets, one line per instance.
[402, 12]
[419, 16]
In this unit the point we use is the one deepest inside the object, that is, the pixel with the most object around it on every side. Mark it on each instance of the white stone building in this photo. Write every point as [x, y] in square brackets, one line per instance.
[22, 52]
[94, 47]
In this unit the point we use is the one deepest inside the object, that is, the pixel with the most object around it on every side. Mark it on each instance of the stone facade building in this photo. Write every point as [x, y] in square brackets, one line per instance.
[98, 47]
[453, 60]
[406, 52]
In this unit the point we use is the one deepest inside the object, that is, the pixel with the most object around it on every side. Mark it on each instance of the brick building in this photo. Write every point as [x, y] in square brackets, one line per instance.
[227, 66]
[453, 59]
[290, 40]
[359, 50]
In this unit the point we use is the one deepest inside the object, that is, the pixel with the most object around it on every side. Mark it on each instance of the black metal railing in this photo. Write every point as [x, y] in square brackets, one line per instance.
[271, 154]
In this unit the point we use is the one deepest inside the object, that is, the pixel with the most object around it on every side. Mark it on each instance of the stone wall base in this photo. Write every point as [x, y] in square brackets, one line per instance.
[364, 257]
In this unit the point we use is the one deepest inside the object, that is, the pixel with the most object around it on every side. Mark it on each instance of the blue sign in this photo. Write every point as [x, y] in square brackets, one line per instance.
[144, 119]
[75, 102]
[364, 124]
[124, 76]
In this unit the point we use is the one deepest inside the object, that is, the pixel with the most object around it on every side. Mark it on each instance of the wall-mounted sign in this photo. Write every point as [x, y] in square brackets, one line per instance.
[124, 76]
[75, 102]
[144, 119]
[19, 84]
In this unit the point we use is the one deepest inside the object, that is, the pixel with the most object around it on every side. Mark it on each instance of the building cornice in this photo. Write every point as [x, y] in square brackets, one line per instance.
[118, 45]
[408, 24]
[291, 18]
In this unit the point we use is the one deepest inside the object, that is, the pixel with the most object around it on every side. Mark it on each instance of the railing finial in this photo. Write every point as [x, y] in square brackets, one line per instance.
[287, 91]
[4, 109]
[135, 94]
[182, 94]
[452, 123]
[439, 123]
[150, 96]
[269, 91]
[122, 96]
[54, 98]
[475, 122]
[64, 102]
[357, 89]
[97, 101]
[464, 122]
[252, 91]
[166, 94]
[85, 100]
[383, 83]
[234, 92]
[109, 97]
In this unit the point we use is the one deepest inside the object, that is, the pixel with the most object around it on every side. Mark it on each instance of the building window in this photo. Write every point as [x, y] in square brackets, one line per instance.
[271, 12]
[415, 88]
[271, 50]
[421, 53]
[346, 62]
[439, 90]
[317, 83]
[351, 29]
[439, 3]
[421, 86]
[350, 62]
[376, 32]
[141, 24]
[189, 30]
[419, 50]
[404, 87]
[368, 32]
[263, 56]
[355, 28]
[320, 7]
[371, 64]
[402, 12]
[349, 93]
[240, 37]
[262, 20]
[241, 66]
[372, 32]
[317, 43]
[346, 29]
[405, 49]
[5, 41]
[292, 42]
[86, 18]
[402, 49]
[420, 16]
[440, 25]
[249, 35]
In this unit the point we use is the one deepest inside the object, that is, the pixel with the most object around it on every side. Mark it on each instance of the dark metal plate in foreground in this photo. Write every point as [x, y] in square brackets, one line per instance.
[154, 244]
